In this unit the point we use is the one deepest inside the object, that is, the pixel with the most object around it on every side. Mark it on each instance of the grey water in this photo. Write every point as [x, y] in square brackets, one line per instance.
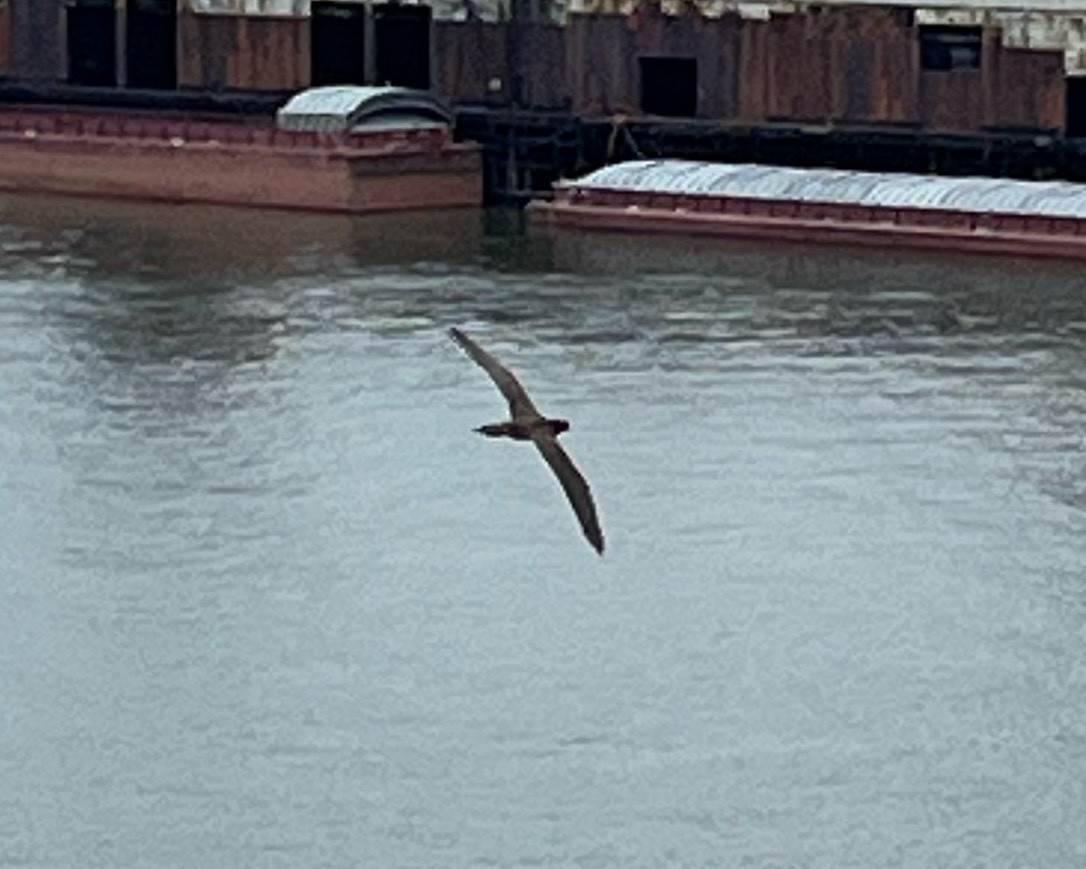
[267, 601]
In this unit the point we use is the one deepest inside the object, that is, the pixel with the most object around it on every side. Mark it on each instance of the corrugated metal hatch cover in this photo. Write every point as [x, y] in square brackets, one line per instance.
[339, 108]
[747, 180]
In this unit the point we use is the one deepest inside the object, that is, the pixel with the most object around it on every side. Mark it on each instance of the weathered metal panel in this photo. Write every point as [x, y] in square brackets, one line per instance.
[602, 65]
[858, 65]
[470, 61]
[862, 67]
[797, 47]
[957, 100]
[754, 79]
[37, 40]
[655, 33]
[5, 38]
[1027, 90]
[723, 86]
[273, 54]
[826, 62]
[539, 53]
[899, 59]
[818, 61]
[952, 101]
[244, 52]
[860, 75]
[206, 45]
[713, 43]
[876, 74]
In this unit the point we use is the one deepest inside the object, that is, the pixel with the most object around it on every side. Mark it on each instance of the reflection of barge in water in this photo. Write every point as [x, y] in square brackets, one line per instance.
[350, 150]
[770, 203]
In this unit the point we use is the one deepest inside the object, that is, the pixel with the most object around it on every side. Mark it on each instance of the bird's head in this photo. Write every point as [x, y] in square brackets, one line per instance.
[559, 425]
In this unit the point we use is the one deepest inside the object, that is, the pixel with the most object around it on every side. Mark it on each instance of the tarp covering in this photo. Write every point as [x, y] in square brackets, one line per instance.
[975, 195]
[339, 108]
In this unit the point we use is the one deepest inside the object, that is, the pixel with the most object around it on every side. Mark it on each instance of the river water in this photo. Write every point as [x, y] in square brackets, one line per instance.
[267, 601]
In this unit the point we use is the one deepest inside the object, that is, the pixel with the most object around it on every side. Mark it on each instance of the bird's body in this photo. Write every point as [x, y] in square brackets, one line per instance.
[526, 423]
[524, 431]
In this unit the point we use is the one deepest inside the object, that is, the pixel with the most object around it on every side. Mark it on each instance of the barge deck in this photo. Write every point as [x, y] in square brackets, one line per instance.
[248, 163]
[969, 215]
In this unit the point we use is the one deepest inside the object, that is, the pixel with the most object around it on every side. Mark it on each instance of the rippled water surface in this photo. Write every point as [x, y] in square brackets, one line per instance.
[267, 601]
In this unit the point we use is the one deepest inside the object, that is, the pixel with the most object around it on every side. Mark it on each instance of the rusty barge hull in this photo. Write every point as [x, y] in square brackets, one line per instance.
[253, 165]
[872, 232]
[967, 215]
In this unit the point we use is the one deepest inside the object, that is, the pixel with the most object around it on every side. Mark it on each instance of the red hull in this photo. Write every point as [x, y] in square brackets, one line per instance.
[186, 161]
[809, 222]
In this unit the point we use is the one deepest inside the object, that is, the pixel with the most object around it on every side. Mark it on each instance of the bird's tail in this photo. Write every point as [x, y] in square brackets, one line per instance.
[495, 430]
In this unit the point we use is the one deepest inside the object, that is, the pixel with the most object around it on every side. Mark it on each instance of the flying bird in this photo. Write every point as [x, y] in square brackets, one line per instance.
[528, 424]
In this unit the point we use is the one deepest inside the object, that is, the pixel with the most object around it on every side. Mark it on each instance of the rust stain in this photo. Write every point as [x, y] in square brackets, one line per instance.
[833, 64]
[5, 39]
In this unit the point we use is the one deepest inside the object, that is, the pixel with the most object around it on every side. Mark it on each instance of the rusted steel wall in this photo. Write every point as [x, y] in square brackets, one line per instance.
[713, 42]
[858, 65]
[868, 65]
[957, 100]
[601, 65]
[952, 101]
[852, 64]
[845, 65]
[1014, 88]
[838, 64]
[488, 62]
[539, 54]
[36, 50]
[5, 39]
[723, 96]
[468, 57]
[755, 52]
[799, 80]
[246, 52]
[1027, 89]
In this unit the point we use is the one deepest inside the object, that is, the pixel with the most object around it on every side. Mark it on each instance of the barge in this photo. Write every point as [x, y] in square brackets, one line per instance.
[344, 150]
[774, 203]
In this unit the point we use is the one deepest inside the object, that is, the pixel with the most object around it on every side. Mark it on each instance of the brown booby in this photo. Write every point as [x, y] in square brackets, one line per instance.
[526, 423]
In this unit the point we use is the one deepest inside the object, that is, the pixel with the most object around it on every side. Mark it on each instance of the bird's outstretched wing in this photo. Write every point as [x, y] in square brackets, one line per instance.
[520, 406]
[580, 496]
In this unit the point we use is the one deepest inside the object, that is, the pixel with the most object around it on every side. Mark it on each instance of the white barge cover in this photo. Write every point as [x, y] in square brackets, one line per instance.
[338, 108]
[876, 189]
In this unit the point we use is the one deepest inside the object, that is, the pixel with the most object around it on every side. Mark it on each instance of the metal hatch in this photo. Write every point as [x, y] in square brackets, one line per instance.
[343, 108]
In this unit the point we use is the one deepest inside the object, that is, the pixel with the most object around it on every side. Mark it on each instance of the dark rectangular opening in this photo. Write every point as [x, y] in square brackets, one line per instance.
[337, 43]
[151, 44]
[402, 40]
[92, 43]
[943, 49]
[669, 86]
[1076, 106]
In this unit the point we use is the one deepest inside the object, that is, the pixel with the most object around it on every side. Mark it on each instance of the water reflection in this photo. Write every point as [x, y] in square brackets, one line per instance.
[159, 244]
[857, 292]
